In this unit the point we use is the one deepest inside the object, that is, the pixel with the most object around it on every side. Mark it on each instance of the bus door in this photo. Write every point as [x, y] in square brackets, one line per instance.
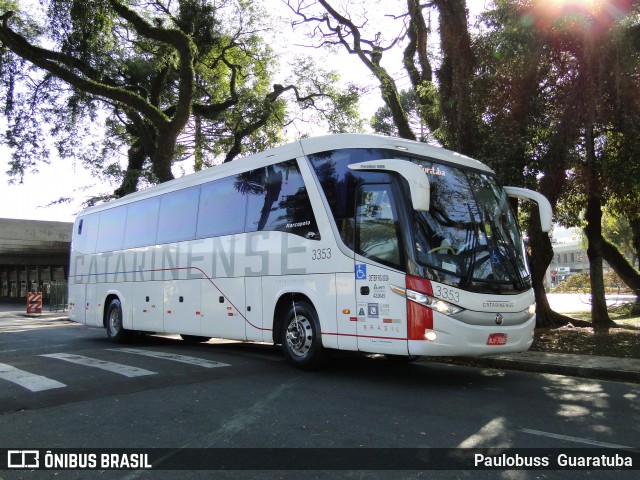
[379, 260]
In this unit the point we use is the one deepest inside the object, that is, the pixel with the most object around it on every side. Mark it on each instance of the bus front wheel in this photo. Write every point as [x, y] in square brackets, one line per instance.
[115, 329]
[301, 341]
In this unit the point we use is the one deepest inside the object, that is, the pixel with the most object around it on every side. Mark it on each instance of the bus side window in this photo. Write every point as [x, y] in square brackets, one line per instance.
[178, 215]
[84, 241]
[222, 207]
[111, 229]
[278, 201]
[142, 223]
[377, 225]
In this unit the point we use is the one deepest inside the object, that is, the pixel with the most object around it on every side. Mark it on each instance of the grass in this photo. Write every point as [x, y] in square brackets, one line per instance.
[620, 341]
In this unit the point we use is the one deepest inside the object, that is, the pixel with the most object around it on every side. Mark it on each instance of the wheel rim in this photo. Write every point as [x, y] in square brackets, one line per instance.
[114, 321]
[299, 336]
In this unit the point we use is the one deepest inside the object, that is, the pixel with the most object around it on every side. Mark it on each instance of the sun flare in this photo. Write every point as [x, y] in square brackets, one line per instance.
[594, 13]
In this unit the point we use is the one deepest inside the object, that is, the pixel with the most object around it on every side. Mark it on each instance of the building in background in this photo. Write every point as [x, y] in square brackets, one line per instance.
[568, 259]
[569, 255]
[34, 256]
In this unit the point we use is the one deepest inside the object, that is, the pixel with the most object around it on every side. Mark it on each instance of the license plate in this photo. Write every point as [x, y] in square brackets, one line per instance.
[497, 339]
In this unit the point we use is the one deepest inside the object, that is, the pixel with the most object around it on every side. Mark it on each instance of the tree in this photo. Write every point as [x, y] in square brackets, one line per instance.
[331, 28]
[382, 121]
[601, 46]
[455, 78]
[172, 81]
[526, 95]
[583, 69]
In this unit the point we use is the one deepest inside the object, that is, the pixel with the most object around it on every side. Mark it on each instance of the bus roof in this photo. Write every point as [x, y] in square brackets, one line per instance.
[358, 140]
[306, 146]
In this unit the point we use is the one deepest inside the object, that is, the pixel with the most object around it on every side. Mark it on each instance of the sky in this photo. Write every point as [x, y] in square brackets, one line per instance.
[28, 200]
[31, 198]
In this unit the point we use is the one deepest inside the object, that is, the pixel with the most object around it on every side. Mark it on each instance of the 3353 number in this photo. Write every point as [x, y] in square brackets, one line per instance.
[321, 254]
[446, 293]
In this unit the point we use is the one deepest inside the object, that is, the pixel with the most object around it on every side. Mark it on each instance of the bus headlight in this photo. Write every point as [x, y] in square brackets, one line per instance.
[532, 309]
[433, 303]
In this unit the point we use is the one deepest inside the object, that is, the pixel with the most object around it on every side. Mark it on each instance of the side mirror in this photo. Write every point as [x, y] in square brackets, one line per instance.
[544, 207]
[412, 173]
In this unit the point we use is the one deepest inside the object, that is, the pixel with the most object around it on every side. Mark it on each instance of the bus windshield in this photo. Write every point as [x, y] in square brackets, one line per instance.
[470, 231]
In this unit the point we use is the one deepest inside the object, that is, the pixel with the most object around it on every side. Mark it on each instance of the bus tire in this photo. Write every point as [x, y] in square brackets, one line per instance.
[301, 339]
[115, 329]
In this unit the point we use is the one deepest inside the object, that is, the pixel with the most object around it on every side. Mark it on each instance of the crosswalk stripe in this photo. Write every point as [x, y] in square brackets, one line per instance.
[30, 381]
[126, 370]
[200, 362]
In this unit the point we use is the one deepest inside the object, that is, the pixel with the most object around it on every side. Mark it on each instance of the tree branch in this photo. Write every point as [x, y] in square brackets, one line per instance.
[349, 36]
[63, 66]
[185, 47]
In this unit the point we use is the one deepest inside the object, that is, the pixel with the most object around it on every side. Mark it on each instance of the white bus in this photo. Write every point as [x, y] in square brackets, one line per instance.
[349, 242]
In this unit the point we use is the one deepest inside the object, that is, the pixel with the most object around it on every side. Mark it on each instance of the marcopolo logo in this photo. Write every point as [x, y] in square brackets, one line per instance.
[23, 459]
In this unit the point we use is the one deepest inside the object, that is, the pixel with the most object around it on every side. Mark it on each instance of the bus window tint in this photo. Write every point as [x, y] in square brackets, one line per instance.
[111, 229]
[142, 219]
[377, 225]
[222, 207]
[278, 201]
[339, 183]
[84, 240]
[178, 214]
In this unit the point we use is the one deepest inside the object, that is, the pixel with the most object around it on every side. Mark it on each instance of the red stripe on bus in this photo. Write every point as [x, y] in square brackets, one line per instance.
[217, 288]
[419, 317]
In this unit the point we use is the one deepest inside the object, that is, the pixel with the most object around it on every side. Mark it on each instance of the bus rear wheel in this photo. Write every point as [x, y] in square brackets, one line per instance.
[301, 340]
[115, 329]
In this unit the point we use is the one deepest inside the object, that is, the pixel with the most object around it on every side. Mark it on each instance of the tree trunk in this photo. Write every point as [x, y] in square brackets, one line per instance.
[623, 268]
[137, 156]
[455, 75]
[593, 232]
[419, 70]
[392, 100]
[635, 232]
[541, 254]
[163, 157]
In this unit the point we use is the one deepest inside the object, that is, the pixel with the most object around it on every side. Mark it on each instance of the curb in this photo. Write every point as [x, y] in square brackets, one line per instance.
[45, 316]
[551, 368]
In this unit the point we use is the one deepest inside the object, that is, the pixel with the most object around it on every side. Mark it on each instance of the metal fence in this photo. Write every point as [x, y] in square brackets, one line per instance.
[58, 296]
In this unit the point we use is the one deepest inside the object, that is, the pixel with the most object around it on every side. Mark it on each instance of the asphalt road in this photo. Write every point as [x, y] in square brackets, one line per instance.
[161, 392]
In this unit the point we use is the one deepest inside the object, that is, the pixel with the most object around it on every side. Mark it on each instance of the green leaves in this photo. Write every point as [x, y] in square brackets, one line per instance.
[168, 82]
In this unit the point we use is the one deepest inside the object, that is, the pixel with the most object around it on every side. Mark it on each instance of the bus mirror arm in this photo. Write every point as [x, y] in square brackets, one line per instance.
[544, 207]
[414, 174]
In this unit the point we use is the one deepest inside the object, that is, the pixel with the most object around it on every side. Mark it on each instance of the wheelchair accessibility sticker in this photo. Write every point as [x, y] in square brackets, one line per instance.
[361, 271]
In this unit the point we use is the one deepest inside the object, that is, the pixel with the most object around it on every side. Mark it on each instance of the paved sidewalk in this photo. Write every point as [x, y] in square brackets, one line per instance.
[587, 366]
